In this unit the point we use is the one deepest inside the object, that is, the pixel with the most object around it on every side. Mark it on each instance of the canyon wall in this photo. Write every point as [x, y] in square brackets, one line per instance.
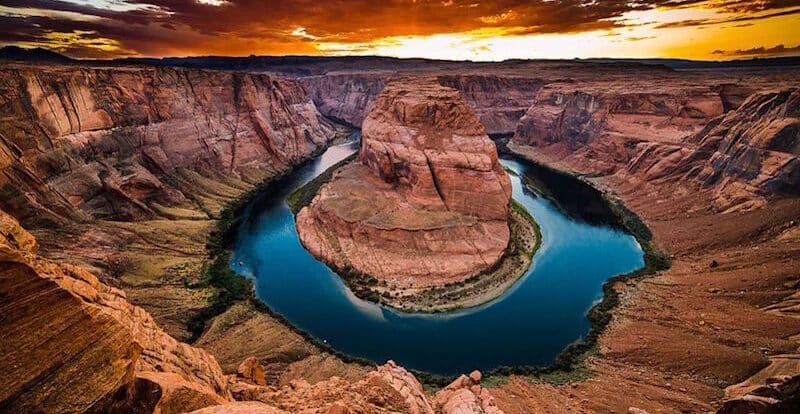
[605, 126]
[742, 157]
[345, 97]
[499, 101]
[740, 146]
[84, 143]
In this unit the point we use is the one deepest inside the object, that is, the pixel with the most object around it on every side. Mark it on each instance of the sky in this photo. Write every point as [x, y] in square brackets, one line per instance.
[442, 29]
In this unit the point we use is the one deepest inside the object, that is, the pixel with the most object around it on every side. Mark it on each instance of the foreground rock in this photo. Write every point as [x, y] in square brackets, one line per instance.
[387, 389]
[70, 343]
[779, 395]
[427, 202]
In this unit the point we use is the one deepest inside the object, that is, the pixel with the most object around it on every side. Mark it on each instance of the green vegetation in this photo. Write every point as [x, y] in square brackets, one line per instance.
[230, 287]
[520, 209]
[303, 195]
[570, 365]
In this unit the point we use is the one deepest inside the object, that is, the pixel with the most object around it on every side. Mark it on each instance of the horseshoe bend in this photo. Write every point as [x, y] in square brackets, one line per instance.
[425, 205]
[382, 235]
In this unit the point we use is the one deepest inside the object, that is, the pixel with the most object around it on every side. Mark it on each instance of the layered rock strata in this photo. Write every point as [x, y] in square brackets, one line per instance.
[129, 143]
[499, 101]
[742, 157]
[73, 344]
[426, 203]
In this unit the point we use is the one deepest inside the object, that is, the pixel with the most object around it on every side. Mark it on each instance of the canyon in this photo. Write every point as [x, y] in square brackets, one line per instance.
[120, 173]
[426, 203]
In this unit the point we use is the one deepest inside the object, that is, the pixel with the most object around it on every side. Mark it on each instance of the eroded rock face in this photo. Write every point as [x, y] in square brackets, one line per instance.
[346, 97]
[82, 143]
[742, 157]
[576, 118]
[756, 146]
[72, 344]
[499, 101]
[427, 201]
[779, 395]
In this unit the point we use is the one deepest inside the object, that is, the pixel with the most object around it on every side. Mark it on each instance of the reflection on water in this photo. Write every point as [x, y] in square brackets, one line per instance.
[529, 325]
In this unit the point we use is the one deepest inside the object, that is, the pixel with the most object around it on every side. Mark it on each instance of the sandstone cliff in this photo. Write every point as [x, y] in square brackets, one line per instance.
[427, 202]
[346, 97]
[121, 143]
[72, 344]
[499, 101]
[742, 157]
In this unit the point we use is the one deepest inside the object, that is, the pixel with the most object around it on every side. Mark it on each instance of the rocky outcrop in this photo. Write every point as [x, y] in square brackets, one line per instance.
[84, 143]
[742, 157]
[779, 395]
[465, 395]
[426, 203]
[387, 389]
[73, 344]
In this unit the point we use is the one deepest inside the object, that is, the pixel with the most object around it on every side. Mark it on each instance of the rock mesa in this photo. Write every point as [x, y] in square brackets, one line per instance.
[427, 201]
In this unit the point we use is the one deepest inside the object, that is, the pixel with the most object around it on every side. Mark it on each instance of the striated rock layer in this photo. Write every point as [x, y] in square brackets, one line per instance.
[426, 203]
[124, 143]
[742, 157]
[72, 344]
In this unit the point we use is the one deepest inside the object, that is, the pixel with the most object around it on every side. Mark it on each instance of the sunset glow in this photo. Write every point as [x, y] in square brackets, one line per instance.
[473, 30]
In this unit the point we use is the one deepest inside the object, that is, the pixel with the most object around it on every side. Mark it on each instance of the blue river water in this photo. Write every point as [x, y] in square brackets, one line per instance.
[528, 325]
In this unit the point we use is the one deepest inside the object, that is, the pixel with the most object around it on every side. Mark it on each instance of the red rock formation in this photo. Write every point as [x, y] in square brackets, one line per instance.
[465, 395]
[346, 97]
[499, 101]
[743, 156]
[387, 389]
[72, 344]
[103, 143]
[426, 203]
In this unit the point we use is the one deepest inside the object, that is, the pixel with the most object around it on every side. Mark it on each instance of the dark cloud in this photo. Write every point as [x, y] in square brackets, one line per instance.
[241, 27]
[779, 50]
[735, 19]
